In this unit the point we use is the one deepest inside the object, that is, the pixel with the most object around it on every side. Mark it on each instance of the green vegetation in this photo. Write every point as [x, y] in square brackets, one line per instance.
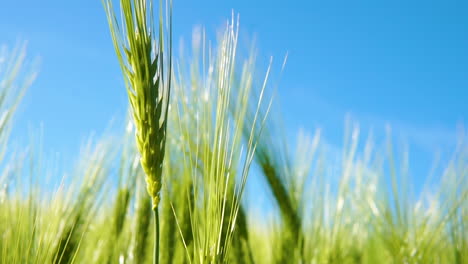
[202, 126]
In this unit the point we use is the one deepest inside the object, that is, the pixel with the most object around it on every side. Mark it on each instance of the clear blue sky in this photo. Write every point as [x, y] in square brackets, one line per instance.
[402, 62]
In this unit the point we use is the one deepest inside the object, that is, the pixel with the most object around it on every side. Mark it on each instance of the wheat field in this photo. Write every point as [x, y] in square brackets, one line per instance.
[174, 189]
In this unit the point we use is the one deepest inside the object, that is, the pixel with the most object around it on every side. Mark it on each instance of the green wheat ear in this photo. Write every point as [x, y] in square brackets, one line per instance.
[142, 60]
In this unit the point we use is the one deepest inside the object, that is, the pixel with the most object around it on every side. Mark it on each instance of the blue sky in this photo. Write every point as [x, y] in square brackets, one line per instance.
[399, 62]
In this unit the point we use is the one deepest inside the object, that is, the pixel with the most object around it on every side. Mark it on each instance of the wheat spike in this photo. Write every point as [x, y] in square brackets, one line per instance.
[142, 60]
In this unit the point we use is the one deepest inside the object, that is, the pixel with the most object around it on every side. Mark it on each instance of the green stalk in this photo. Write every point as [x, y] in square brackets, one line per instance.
[156, 236]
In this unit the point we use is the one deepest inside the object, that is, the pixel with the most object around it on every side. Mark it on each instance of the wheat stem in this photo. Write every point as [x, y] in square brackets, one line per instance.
[156, 236]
